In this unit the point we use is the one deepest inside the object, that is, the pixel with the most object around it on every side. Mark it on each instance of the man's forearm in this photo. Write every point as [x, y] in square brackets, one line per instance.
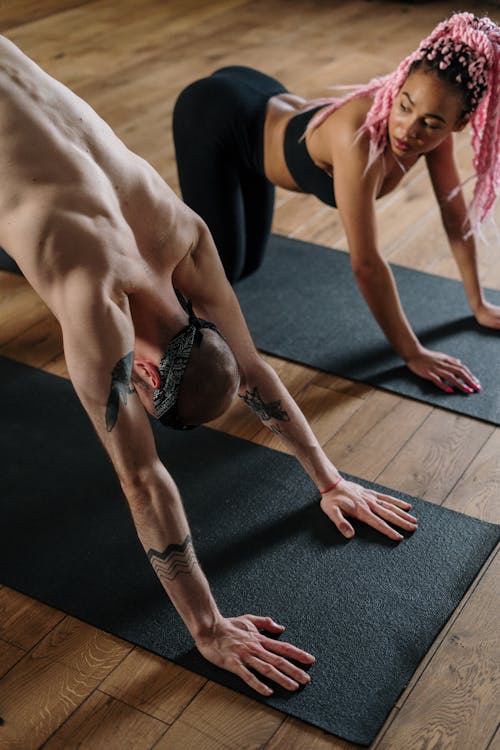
[163, 530]
[267, 397]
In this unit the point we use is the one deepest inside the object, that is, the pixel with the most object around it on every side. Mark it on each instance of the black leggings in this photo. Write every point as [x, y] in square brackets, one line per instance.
[218, 128]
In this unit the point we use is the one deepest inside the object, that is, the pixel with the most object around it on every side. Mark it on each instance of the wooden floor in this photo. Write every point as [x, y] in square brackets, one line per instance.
[65, 684]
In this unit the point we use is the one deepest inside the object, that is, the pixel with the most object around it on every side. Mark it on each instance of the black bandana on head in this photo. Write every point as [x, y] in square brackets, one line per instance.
[173, 365]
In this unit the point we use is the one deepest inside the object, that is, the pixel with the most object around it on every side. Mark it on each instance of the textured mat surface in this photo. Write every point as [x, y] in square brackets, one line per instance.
[303, 304]
[7, 263]
[368, 609]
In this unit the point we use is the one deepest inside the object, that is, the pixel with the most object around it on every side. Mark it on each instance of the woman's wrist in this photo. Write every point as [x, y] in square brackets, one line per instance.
[411, 351]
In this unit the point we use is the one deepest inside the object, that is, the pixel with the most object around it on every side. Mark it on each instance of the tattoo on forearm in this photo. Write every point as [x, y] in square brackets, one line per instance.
[275, 428]
[120, 388]
[271, 410]
[175, 559]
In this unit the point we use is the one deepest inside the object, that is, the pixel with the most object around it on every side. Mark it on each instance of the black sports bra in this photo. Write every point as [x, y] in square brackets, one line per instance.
[310, 178]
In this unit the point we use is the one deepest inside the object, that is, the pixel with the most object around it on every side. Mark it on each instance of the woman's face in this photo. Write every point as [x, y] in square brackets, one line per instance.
[424, 113]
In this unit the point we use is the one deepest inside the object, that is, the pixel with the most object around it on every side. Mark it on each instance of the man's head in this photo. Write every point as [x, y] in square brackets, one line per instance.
[195, 380]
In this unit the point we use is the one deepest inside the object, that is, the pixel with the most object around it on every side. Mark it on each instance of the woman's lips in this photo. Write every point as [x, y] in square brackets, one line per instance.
[401, 145]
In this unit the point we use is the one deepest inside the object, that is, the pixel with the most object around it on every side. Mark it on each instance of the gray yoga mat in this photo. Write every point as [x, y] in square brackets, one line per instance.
[369, 609]
[303, 304]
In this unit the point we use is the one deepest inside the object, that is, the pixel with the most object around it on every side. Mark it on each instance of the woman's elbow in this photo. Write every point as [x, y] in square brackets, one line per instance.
[366, 271]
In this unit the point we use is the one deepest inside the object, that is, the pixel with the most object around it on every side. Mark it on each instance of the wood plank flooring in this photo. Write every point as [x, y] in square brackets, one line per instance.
[65, 684]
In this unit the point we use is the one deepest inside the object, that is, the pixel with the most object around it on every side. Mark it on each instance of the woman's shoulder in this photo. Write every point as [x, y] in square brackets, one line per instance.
[350, 115]
[339, 132]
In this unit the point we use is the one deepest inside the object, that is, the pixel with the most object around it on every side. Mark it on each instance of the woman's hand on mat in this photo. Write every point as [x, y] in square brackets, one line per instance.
[236, 644]
[373, 508]
[488, 315]
[444, 371]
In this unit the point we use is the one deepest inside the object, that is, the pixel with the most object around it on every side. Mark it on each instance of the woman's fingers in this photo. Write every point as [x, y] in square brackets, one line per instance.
[457, 374]
[444, 371]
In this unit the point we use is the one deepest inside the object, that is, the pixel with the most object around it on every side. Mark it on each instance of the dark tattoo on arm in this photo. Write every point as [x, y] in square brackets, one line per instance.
[175, 559]
[271, 410]
[120, 388]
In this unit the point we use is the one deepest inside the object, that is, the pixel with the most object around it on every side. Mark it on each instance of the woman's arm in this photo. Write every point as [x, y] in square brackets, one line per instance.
[445, 178]
[355, 193]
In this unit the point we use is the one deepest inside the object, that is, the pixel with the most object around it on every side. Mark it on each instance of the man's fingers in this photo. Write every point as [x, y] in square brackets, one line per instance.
[251, 680]
[334, 514]
[286, 649]
[393, 517]
[393, 500]
[269, 671]
[378, 523]
[283, 665]
[379, 501]
[265, 623]
[401, 513]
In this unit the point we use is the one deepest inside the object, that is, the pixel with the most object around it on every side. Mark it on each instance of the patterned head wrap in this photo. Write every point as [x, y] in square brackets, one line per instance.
[173, 365]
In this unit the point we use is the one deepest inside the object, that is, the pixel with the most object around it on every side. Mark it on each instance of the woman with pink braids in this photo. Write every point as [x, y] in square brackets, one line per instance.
[238, 133]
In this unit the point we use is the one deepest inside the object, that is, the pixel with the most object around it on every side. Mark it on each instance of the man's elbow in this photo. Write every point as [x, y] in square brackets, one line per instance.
[254, 372]
[141, 484]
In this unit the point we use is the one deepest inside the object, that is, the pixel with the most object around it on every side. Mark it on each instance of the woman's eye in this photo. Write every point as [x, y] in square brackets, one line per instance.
[403, 107]
[431, 126]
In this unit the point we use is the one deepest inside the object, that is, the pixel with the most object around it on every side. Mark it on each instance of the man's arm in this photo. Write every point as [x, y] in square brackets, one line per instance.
[98, 343]
[201, 277]
[445, 178]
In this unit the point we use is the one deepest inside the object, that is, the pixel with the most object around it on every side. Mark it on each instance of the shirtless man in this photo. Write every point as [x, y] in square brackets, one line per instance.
[105, 243]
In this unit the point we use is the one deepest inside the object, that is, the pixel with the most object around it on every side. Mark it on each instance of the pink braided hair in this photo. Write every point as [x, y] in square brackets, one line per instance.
[464, 50]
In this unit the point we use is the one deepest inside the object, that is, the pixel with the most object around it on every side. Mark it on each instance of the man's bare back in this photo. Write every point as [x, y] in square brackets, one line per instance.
[66, 179]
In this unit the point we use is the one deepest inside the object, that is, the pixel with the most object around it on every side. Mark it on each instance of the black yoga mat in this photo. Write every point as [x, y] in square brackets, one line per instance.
[303, 304]
[7, 263]
[368, 609]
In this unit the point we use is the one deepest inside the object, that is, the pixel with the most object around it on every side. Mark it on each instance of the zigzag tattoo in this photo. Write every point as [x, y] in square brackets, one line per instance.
[175, 559]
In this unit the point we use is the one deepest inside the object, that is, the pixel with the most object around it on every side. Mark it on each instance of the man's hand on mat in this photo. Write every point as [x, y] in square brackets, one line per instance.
[374, 508]
[488, 315]
[445, 371]
[236, 644]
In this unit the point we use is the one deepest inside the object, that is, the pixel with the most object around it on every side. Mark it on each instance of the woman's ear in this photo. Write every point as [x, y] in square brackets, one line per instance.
[461, 123]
